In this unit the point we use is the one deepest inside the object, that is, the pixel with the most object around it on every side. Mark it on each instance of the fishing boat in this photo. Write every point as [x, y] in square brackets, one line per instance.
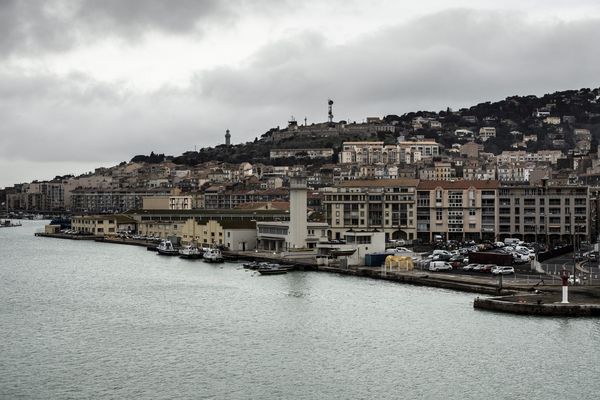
[191, 251]
[165, 248]
[213, 256]
[272, 269]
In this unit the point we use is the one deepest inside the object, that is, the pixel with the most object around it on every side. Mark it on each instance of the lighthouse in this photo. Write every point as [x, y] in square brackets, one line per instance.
[227, 138]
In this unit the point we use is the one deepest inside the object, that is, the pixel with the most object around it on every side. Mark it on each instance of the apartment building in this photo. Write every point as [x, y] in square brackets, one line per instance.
[304, 153]
[441, 170]
[411, 152]
[217, 197]
[487, 132]
[456, 210]
[549, 212]
[387, 205]
[111, 200]
[369, 152]
[549, 156]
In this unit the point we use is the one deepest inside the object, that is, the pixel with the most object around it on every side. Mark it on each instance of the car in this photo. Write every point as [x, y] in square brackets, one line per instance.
[398, 250]
[503, 270]
[440, 266]
[487, 268]
[471, 267]
[574, 280]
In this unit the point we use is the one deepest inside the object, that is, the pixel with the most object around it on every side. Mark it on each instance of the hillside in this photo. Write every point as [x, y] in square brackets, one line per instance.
[512, 118]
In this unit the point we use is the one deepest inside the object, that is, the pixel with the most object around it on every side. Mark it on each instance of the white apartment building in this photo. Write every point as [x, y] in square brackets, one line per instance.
[487, 132]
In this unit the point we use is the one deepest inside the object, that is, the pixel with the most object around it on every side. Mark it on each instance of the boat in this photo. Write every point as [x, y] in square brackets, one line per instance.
[251, 265]
[213, 256]
[191, 251]
[8, 224]
[272, 269]
[166, 248]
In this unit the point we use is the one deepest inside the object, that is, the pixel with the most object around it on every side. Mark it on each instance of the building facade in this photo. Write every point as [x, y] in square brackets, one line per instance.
[387, 205]
[456, 210]
[548, 212]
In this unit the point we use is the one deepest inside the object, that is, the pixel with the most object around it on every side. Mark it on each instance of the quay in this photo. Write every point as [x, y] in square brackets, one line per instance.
[581, 304]
[65, 236]
[517, 296]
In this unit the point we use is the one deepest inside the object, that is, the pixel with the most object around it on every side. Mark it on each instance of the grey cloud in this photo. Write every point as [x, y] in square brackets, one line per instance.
[451, 58]
[29, 26]
[455, 58]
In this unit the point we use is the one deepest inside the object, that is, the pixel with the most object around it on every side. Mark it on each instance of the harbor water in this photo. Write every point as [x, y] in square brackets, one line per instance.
[86, 320]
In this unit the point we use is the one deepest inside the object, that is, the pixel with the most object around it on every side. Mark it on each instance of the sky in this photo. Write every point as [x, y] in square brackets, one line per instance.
[86, 84]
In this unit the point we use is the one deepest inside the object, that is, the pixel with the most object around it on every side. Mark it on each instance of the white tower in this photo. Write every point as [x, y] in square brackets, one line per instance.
[298, 230]
[227, 138]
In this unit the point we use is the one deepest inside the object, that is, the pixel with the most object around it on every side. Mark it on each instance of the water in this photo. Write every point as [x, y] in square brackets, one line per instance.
[88, 320]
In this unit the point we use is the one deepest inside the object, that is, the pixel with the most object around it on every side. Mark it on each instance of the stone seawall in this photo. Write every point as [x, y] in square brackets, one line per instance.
[534, 305]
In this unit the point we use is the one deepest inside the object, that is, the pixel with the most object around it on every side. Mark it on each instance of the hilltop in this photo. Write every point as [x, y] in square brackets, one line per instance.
[512, 118]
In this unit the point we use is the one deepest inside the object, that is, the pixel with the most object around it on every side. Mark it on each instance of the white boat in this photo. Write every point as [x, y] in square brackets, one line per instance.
[166, 248]
[213, 255]
[190, 251]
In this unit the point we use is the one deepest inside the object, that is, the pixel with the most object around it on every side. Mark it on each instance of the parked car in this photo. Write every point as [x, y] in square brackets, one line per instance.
[503, 270]
[440, 266]
[487, 268]
[471, 267]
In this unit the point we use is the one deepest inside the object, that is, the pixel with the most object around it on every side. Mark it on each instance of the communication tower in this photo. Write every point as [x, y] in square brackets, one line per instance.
[330, 103]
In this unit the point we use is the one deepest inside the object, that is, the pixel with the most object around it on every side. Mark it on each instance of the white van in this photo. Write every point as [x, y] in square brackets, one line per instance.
[439, 266]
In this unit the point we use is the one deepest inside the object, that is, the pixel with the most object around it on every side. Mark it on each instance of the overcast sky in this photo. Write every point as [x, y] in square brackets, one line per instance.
[87, 83]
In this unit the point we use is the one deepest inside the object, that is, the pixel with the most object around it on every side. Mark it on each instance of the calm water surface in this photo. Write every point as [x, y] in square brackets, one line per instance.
[90, 320]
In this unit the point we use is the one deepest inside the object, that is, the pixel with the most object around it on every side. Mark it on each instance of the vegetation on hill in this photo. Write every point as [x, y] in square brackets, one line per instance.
[512, 117]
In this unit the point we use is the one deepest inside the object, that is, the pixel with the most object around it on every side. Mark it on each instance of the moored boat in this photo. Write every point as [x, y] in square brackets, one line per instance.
[213, 256]
[251, 265]
[272, 269]
[190, 251]
[166, 248]
[8, 224]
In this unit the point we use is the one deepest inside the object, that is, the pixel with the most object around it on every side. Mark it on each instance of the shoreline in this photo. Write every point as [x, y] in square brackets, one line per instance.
[513, 297]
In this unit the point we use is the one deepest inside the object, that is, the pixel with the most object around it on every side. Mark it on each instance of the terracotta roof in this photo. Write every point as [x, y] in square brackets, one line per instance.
[265, 205]
[379, 183]
[458, 184]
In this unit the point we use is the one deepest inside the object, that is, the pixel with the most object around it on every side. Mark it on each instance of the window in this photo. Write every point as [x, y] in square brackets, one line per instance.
[472, 212]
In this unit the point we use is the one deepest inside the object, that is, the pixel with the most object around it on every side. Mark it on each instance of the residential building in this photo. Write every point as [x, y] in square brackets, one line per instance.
[368, 152]
[456, 210]
[552, 120]
[441, 170]
[386, 205]
[111, 200]
[487, 132]
[550, 212]
[300, 153]
[411, 152]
